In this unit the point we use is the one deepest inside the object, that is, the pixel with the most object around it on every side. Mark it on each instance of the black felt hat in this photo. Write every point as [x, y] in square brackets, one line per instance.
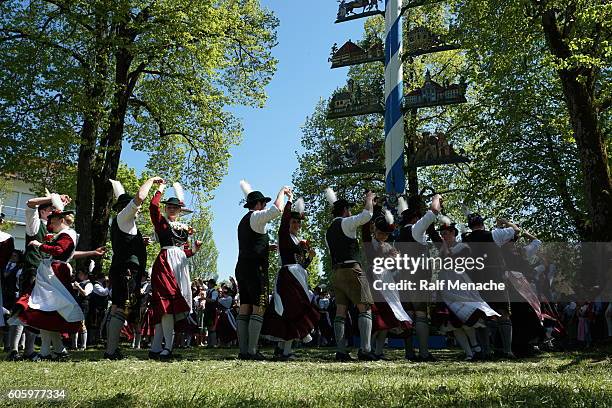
[342, 203]
[383, 225]
[474, 219]
[254, 197]
[123, 200]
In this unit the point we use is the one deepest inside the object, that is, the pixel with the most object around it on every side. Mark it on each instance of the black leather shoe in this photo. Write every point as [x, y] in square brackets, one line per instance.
[243, 356]
[366, 356]
[257, 357]
[13, 356]
[153, 355]
[117, 355]
[343, 357]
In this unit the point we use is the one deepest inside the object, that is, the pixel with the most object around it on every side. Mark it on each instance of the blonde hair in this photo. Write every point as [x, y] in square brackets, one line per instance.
[69, 219]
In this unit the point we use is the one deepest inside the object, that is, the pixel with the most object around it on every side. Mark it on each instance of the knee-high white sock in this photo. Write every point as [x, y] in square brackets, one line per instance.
[339, 323]
[242, 323]
[84, 340]
[462, 340]
[137, 339]
[168, 326]
[167, 323]
[365, 330]
[379, 345]
[74, 340]
[15, 336]
[58, 344]
[255, 323]
[22, 340]
[287, 347]
[422, 331]
[471, 335]
[45, 343]
[158, 336]
[30, 341]
[505, 330]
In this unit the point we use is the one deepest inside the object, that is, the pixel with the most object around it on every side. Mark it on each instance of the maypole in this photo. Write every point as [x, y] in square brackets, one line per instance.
[395, 179]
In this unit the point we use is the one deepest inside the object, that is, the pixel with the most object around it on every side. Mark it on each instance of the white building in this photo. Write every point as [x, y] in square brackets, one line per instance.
[14, 205]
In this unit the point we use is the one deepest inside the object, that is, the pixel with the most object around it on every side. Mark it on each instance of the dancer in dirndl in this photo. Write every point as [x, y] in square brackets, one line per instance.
[171, 297]
[292, 314]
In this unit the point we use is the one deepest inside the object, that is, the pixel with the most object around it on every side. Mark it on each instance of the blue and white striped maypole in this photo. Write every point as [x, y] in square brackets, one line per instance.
[394, 90]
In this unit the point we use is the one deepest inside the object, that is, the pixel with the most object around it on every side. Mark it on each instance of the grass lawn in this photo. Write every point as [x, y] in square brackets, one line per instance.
[211, 378]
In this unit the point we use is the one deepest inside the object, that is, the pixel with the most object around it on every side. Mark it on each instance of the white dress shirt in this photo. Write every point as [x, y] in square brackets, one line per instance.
[99, 290]
[502, 236]
[126, 219]
[419, 229]
[352, 223]
[260, 218]
[32, 221]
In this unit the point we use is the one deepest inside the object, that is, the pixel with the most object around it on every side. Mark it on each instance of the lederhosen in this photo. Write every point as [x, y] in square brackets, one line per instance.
[345, 256]
[124, 281]
[252, 266]
[485, 247]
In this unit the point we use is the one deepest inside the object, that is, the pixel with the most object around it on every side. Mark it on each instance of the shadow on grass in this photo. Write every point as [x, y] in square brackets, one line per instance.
[410, 396]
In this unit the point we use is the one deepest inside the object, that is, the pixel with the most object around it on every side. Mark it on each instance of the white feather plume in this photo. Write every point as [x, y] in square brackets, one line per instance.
[92, 265]
[117, 188]
[57, 202]
[389, 217]
[466, 211]
[402, 205]
[178, 190]
[246, 187]
[444, 220]
[47, 193]
[330, 195]
[299, 205]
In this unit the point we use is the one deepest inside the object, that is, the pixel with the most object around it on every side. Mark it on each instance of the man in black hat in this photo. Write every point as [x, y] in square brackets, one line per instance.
[252, 267]
[486, 244]
[128, 263]
[350, 283]
[415, 230]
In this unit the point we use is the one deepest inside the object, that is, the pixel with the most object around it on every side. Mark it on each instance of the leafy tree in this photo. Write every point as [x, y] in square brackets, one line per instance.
[81, 79]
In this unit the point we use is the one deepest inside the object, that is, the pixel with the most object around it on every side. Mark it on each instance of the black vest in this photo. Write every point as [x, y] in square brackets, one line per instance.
[493, 260]
[125, 246]
[251, 245]
[83, 301]
[33, 255]
[341, 247]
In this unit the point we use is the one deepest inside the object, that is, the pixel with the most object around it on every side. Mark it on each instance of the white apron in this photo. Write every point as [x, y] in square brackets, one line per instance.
[49, 293]
[180, 267]
[463, 302]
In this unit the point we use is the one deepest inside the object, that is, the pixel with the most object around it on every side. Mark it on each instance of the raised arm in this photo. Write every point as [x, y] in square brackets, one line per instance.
[143, 191]
[154, 210]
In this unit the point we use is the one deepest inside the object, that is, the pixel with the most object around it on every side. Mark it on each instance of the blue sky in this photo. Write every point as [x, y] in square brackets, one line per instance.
[266, 157]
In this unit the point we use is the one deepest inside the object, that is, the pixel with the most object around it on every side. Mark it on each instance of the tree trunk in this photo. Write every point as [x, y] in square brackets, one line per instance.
[579, 94]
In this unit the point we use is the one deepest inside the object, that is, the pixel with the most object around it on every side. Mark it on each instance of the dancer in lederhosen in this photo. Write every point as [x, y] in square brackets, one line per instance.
[252, 267]
[387, 313]
[350, 283]
[50, 307]
[128, 263]
[465, 309]
[292, 314]
[171, 287]
[486, 244]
